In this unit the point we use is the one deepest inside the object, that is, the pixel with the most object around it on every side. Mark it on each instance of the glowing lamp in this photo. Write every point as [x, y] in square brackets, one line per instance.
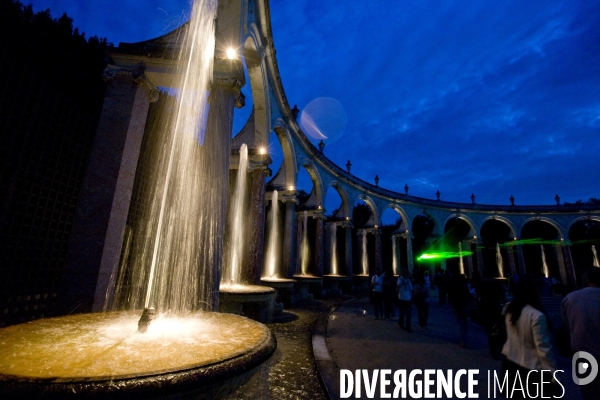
[231, 54]
[262, 150]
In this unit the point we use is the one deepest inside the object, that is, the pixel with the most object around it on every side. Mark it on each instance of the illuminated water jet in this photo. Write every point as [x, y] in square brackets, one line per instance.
[499, 262]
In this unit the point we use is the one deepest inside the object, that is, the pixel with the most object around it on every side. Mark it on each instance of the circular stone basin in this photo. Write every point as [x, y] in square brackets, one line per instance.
[246, 291]
[308, 278]
[103, 356]
[278, 283]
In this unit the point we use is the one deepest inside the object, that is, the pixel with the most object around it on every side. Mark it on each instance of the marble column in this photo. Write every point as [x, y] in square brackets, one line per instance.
[521, 259]
[469, 258]
[225, 94]
[288, 265]
[299, 233]
[558, 250]
[255, 257]
[395, 258]
[378, 256]
[570, 267]
[364, 258]
[98, 229]
[348, 248]
[330, 247]
[511, 260]
[319, 244]
[409, 253]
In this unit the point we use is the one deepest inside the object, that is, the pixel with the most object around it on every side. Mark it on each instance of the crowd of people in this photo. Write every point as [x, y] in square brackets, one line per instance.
[519, 331]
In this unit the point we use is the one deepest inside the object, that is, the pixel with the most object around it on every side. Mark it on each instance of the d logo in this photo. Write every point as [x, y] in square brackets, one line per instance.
[584, 364]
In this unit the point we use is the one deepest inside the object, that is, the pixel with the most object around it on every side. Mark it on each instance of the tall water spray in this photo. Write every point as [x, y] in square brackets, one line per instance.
[179, 239]
[461, 264]
[365, 258]
[304, 250]
[236, 223]
[273, 241]
[334, 260]
[544, 263]
[596, 264]
[499, 261]
[394, 257]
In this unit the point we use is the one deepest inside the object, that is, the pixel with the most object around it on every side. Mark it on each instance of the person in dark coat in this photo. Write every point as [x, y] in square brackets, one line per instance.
[490, 300]
[459, 297]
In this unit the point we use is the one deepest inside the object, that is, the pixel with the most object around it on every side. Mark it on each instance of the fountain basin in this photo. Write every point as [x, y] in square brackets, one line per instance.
[202, 355]
[305, 284]
[332, 281]
[253, 301]
[284, 288]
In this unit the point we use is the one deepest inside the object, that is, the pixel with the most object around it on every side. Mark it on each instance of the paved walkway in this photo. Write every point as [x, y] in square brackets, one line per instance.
[353, 340]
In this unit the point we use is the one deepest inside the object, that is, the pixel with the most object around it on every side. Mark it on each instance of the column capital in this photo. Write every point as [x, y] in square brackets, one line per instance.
[136, 73]
[229, 75]
[289, 198]
[318, 214]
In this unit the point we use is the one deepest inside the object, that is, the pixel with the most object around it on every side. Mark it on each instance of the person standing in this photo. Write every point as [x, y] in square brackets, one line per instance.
[528, 344]
[377, 288]
[421, 299]
[581, 316]
[459, 297]
[388, 294]
[405, 289]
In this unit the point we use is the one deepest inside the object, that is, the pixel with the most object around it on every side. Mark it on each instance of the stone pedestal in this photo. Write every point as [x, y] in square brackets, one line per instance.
[288, 265]
[319, 244]
[306, 285]
[284, 288]
[99, 226]
[255, 256]
[255, 302]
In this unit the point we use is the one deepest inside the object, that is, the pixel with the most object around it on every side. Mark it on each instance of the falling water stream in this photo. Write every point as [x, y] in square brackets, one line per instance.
[273, 241]
[236, 244]
[304, 250]
[499, 261]
[179, 241]
[365, 259]
[394, 258]
[334, 260]
[461, 264]
[596, 263]
[544, 263]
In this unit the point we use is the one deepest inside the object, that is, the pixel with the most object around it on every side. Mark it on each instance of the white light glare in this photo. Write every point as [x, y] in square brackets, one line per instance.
[231, 54]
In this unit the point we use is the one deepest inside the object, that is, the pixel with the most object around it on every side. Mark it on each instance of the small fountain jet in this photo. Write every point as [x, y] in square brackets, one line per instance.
[145, 319]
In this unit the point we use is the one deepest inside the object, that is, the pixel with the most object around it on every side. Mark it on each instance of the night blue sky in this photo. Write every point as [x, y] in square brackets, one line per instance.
[495, 98]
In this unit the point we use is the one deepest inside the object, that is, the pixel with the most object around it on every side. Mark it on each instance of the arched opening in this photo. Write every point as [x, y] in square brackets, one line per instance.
[423, 242]
[456, 231]
[539, 240]
[583, 235]
[241, 115]
[391, 220]
[362, 244]
[336, 233]
[498, 250]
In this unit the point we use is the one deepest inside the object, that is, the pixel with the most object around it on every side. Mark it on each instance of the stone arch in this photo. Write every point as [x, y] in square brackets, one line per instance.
[511, 225]
[400, 211]
[252, 50]
[584, 218]
[550, 221]
[313, 172]
[343, 194]
[286, 176]
[469, 221]
[372, 205]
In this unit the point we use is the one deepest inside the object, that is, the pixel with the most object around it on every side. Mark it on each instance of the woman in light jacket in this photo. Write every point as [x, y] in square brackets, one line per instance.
[528, 345]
